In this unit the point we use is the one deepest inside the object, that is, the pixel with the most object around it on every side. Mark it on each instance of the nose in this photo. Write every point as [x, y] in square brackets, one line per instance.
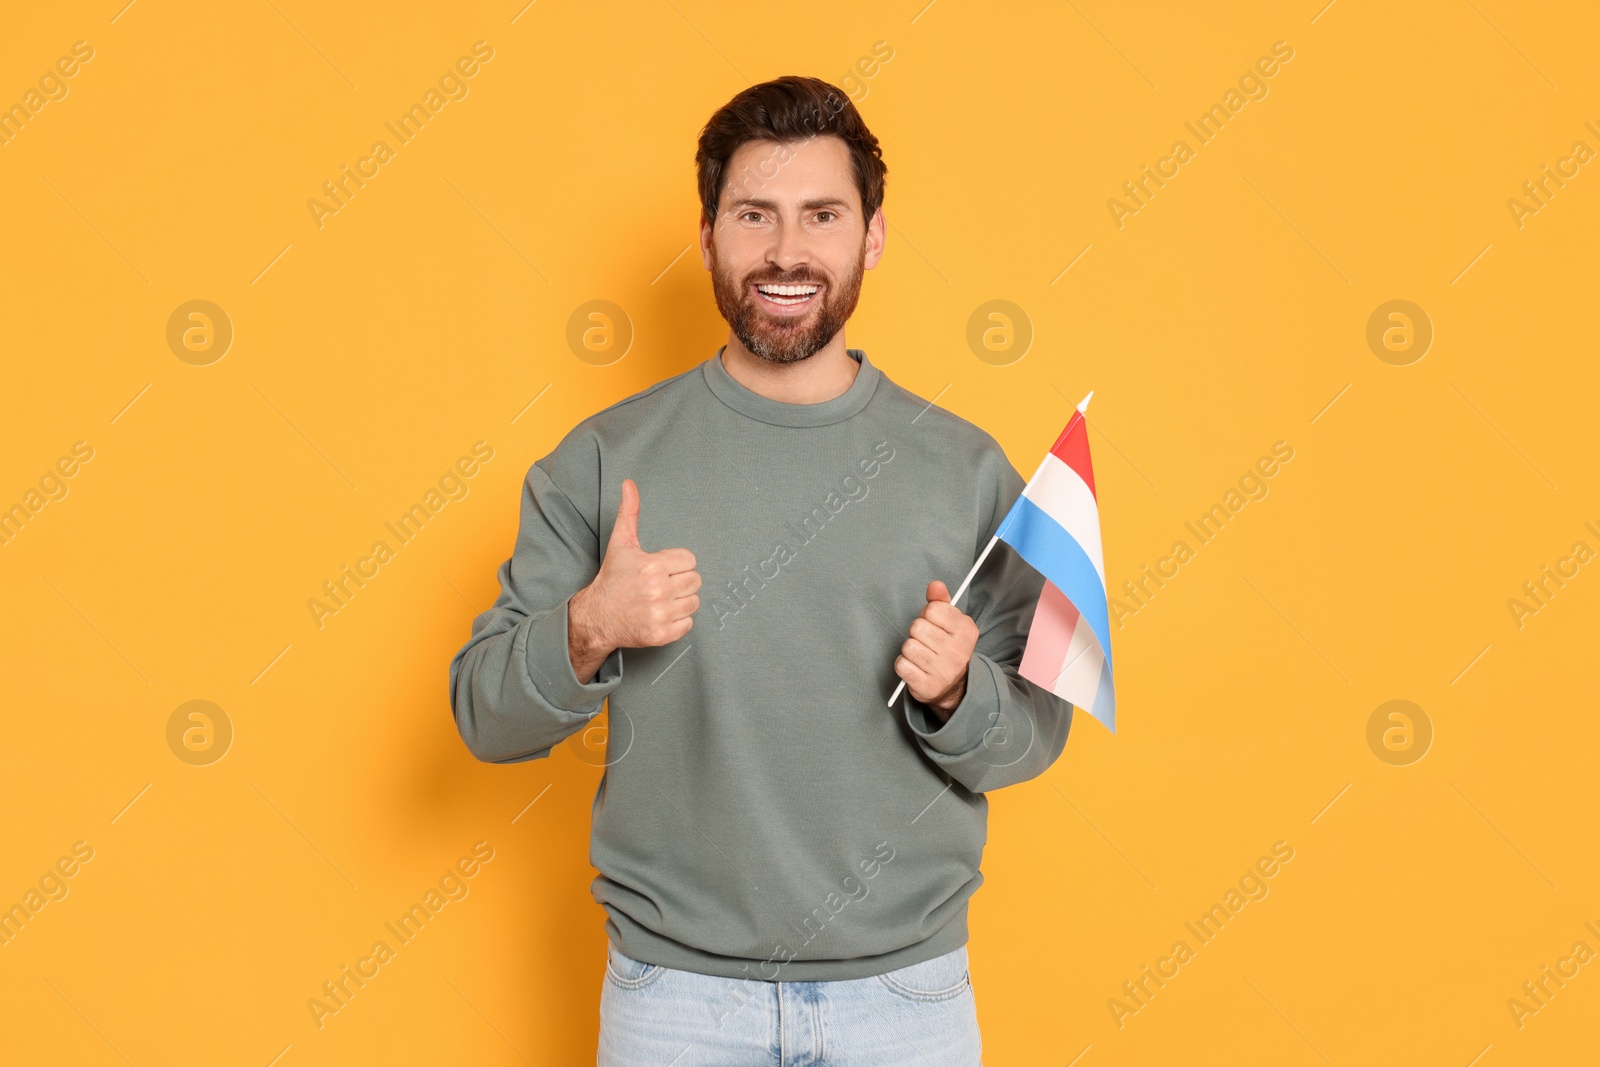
[788, 250]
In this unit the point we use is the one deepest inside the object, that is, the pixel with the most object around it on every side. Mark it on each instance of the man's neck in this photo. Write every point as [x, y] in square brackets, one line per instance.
[822, 376]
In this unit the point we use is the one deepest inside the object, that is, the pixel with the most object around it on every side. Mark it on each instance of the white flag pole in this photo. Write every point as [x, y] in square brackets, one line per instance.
[956, 596]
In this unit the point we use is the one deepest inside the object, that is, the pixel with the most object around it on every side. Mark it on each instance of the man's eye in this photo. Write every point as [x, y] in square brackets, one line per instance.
[822, 213]
[752, 214]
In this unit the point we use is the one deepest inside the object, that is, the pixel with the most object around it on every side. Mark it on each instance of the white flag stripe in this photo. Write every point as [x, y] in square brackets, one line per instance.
[1061, 494]
[1080, 675]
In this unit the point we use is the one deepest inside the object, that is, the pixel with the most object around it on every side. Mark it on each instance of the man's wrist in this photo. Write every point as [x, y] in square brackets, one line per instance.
[584, 646]
[946, 706]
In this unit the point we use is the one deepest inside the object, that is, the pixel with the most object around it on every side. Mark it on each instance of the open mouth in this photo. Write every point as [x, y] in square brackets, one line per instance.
[788, 295]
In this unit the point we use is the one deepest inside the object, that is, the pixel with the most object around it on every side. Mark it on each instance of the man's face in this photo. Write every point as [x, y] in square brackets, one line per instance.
[790, 215]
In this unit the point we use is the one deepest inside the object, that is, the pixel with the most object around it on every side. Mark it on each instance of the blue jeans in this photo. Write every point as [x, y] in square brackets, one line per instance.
[923, 1015]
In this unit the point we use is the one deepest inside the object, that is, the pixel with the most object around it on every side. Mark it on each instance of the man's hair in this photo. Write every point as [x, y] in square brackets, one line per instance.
[786, 110]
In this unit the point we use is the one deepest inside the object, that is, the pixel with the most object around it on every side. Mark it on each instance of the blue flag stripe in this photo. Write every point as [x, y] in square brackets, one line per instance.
[1053, 552]
[1105, 700]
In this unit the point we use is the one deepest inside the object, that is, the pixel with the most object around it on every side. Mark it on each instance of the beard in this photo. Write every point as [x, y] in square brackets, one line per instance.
[786, 339]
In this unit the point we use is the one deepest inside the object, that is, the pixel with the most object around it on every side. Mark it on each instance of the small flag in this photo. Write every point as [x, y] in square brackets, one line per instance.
[1055, 526]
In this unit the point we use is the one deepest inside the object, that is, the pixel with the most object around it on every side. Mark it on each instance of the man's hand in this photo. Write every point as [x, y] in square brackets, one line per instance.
[638, 600]
[933, 661]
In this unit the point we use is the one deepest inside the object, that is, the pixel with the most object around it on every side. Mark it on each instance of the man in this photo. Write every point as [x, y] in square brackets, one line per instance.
[784, 861]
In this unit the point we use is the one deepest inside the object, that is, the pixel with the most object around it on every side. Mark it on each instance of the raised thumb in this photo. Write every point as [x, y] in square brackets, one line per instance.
[625, 534]
[937, 590]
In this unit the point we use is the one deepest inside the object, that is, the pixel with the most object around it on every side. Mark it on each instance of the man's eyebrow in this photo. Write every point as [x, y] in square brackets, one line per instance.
[809, 205]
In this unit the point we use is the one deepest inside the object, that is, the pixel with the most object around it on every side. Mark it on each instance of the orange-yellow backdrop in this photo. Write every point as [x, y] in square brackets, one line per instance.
[1443, 456]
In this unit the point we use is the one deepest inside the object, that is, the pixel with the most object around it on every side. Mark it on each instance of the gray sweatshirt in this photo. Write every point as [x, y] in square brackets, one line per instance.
[763, 813]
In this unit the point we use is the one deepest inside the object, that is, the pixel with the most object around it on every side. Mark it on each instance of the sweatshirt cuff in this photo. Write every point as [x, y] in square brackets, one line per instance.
[964, 730]
[544, 650]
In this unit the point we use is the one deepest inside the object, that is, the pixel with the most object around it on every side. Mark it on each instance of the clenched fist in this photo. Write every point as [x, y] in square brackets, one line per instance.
[933, 661]
[638, 600]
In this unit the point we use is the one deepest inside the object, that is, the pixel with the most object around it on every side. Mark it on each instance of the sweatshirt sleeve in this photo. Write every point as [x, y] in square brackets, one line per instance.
[1006, 729]
[513, 691]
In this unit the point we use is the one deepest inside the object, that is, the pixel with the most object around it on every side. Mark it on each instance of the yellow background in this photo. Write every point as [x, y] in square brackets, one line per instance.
[368, 354]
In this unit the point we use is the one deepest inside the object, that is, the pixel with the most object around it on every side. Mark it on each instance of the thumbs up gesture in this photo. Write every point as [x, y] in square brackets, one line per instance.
[638, 600]
[933, 661]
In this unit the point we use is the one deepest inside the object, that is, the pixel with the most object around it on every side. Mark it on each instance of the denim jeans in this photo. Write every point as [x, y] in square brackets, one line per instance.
[923, 1015]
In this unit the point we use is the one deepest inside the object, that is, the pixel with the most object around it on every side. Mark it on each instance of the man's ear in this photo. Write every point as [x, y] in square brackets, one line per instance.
[705, 243]
[877, 228]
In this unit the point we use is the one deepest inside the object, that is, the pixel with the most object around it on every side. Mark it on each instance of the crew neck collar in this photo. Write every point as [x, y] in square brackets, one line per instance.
[747, 401]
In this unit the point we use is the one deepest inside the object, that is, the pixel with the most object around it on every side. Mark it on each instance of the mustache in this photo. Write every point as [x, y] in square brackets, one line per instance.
[801, 279]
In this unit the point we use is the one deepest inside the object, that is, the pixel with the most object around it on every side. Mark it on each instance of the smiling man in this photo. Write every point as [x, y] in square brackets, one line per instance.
[785, 862]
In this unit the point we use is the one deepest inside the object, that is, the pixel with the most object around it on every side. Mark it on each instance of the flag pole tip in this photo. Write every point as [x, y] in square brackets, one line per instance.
[1084, 403]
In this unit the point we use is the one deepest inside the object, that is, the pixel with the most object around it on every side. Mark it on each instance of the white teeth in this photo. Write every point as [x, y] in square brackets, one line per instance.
[788, 295]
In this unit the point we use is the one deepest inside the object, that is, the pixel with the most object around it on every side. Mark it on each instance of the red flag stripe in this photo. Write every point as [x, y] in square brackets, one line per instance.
[1072, 448]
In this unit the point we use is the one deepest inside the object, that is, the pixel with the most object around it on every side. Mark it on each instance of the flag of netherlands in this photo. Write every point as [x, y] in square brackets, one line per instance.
[1055, 526]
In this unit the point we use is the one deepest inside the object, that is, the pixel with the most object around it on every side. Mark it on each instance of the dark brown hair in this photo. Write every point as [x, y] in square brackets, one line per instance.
[787, 110]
